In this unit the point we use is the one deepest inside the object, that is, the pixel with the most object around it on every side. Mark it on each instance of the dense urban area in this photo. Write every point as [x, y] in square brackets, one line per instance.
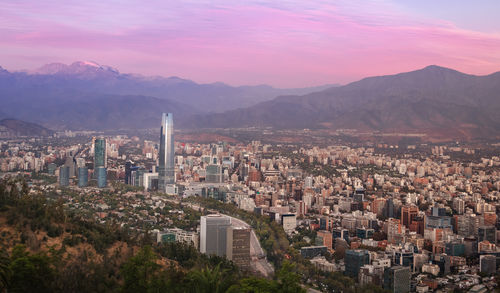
[136, 213]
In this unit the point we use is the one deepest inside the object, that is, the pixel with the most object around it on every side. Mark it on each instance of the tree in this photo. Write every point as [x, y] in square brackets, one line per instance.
[288, 279]
[208, 280]
[5, 271]
[254, 285]
[141, 273]
[30, 273]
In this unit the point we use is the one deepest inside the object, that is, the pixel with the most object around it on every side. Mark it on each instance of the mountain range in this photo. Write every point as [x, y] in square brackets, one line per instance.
[434, 100]
[85, 95]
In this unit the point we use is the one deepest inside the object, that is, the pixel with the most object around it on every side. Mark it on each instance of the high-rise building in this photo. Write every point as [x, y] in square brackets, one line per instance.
[70, 162]
[389, 208]
[408, 213]
[213, 174]
[166, 167]
[354, 260]
[83, 176]
[238, 246]
[128, 172]
[364, 233]
[100, 157]
[488, 233]
[326, 239]
[397, 279]
[339, 233]
[488, 264]
[289, 222]
[64, 175]
[101, 177]
[51, 168]
[359, 195]
[438, 219]
[213, 234]
[467, 224]
[308, 182]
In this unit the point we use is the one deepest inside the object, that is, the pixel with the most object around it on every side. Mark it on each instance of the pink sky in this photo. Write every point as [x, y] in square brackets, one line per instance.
[285, 44]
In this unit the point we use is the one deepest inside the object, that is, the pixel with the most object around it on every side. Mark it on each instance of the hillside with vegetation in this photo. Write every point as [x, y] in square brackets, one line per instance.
[46, 248]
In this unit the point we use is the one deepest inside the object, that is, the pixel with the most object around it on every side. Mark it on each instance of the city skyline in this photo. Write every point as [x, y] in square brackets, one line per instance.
[287, 44]
[320, 146]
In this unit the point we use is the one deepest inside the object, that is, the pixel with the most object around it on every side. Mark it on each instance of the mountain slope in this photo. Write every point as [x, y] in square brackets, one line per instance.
[427, 100]
[14, 127]
[80, 111]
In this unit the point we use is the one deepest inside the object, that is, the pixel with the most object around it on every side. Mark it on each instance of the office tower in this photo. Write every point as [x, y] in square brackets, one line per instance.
[51, 168]
[213, 234]
[325, 223]
[300, 208]
[438, 219]
[395, 231]
[488, 233]
[238, 246]
[389, 208]
[404, 258]
[408, 213]
[289, 222]
[64, 175]
[359, 195]
[71, 164]
[364, 233]
[83, 176]
[213, 174]
[459, 205]
[467, 224]
[308, 182]
[324, 238]
[166, 171]
[339, 233]
[128, 170]
[417, 225]
[80, 162]
[488, 264]
[378, 206]
[470, 243]
[354, 260]
[150, 181]
[101, 177]
[455, 248]
[100, 157]
[313, 251]
[397, 279]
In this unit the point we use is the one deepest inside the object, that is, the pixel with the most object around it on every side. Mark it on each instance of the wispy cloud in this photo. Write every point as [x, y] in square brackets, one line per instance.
[285, 43]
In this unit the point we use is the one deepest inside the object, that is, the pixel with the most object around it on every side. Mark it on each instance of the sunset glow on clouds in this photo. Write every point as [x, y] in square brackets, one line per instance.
[282, 43]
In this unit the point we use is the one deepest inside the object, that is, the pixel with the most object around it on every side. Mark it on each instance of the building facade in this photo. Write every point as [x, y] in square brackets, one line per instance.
[213, 234]
[238, 246]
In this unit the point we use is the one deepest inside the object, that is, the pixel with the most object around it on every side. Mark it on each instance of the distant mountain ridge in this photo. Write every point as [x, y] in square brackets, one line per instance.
[14, 128]
[87, 76]
[84, 95]
[434, 100]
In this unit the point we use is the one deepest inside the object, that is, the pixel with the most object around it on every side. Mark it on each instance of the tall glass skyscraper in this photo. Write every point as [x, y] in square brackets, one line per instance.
[100, 157]
[166, 168]
[64, 175]
[101, 177]
[83, 176]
